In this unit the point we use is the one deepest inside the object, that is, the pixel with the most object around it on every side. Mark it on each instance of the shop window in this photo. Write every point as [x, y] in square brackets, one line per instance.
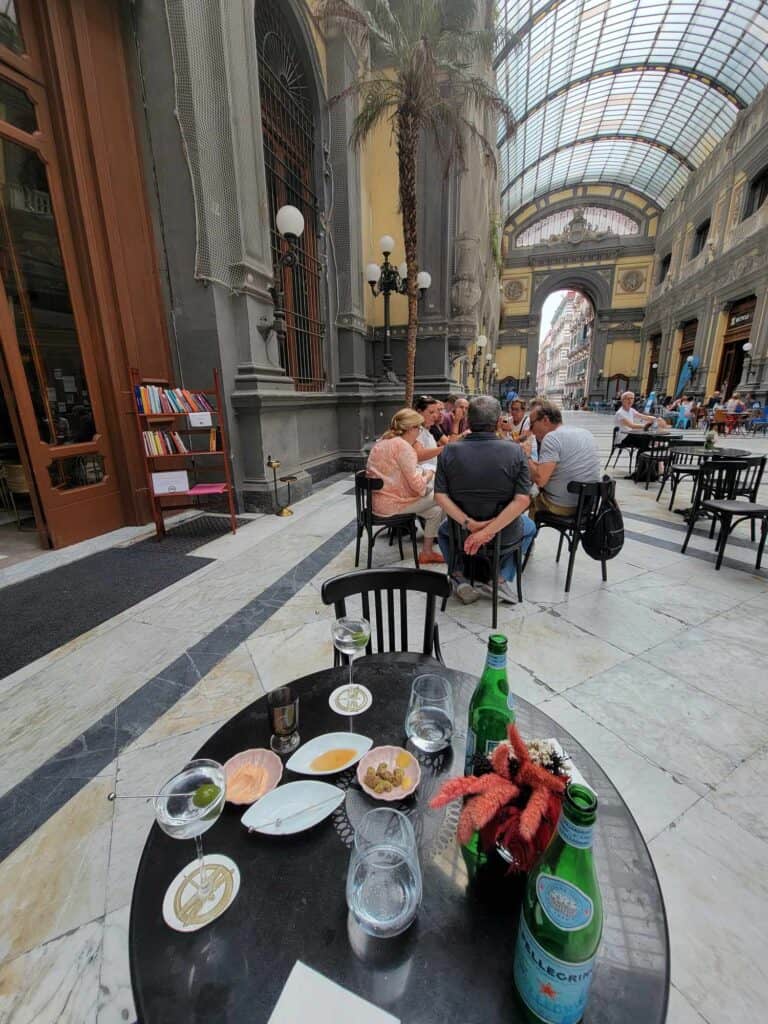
[700, 238]
[32, 271]
[666, 263]
[10, 31]
[78, 471]
[757, 193]
[16, 107]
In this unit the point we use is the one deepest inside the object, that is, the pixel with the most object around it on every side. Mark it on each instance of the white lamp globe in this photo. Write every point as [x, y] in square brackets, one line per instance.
[403, 270]
[489, 358]
[482, 341]
[747, 346]
[689, 360]
[387, 244]
[289, 221]
[372, 273]
[424, 280]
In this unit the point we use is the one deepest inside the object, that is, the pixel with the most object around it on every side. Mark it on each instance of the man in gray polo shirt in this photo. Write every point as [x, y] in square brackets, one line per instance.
[482, 482]
[565, 454]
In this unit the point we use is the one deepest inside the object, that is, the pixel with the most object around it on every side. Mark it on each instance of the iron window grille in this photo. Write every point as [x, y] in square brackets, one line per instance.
[289, 158]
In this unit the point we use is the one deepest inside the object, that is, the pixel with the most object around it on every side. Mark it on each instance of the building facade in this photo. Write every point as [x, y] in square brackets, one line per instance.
[710, 286]
[147, 148]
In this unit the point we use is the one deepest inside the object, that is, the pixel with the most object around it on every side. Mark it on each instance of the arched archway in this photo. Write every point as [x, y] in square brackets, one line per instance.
[611, 269]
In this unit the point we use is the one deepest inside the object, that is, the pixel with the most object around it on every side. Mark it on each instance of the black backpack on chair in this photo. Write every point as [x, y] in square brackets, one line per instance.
[602, 536]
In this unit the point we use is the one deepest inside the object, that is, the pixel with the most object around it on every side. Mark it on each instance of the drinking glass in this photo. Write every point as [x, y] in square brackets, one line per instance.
[429, 721]
[284, 719]
[384, 877]
[188, 805]
[350, 637]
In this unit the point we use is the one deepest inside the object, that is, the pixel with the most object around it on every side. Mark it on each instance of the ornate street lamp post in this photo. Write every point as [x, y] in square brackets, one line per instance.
[746, 348]
[477, 360]
[384, 280]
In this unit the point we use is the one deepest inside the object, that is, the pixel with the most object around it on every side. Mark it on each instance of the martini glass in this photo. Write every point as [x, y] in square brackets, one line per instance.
[350, 637]
[186, 807]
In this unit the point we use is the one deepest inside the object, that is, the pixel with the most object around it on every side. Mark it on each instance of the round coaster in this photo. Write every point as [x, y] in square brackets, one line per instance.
[183, 908]
[350, 700]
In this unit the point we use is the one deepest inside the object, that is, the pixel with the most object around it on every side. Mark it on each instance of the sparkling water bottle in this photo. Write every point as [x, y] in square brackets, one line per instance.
[561, 920]
[491, 710]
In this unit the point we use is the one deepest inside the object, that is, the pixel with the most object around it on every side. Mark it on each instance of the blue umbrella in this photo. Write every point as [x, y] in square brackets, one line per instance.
[686, 373]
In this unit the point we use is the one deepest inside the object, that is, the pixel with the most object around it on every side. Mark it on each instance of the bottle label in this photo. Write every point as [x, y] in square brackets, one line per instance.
[554, 990]
[579, 836]
[496, 661]
[567, 907]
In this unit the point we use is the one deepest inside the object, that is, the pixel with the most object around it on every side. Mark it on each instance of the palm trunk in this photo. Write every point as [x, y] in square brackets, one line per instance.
[407, 142]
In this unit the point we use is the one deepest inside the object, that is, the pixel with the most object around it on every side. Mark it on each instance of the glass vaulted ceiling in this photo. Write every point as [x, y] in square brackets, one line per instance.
[628, 92]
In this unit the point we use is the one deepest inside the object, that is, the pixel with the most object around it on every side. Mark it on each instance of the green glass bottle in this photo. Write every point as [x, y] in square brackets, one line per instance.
[491, 710]
[561, 921]
[492, 707]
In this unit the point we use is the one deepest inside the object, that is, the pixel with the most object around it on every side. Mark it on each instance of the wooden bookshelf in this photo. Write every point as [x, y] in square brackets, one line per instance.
[168, 443]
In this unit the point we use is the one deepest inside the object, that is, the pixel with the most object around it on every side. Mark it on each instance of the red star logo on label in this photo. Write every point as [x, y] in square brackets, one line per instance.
[547, 990]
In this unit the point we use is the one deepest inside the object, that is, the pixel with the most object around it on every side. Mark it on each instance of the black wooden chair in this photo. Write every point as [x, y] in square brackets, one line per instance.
[381, 589]
[627, 444]
[726, 492]
[366, 519]
[650, 461]
[680, 465]
[570, 527]
[457, 535]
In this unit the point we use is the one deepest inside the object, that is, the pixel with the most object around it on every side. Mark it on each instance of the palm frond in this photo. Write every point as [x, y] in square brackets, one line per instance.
[377, 103]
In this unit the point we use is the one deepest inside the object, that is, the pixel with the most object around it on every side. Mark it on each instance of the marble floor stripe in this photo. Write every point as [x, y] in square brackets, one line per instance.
[706, 556]
[701, 531]
[30, 803]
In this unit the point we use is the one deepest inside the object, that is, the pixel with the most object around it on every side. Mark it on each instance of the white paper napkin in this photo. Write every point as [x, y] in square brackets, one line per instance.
[311, 998]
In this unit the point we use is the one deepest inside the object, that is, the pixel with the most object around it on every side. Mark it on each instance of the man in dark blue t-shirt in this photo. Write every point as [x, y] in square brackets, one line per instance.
[483, 483]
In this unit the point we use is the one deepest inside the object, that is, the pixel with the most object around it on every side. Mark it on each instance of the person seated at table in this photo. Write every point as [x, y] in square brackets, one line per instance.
[454, 420]
[629, 420]
[504, 427]
[407, 489]
[734, 407]
[684, 406]
[484, 484]
[565, 454]
[520, 422]
[427, 448]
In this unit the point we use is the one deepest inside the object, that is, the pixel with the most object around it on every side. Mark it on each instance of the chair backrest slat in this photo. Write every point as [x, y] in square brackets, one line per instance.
[391, 618]
[379, 618]
[380, 581]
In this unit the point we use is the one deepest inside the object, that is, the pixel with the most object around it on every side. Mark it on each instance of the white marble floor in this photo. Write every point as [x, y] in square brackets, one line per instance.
[660, 673]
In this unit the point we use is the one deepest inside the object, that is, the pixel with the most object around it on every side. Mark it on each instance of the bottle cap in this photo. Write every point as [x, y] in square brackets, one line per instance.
[497, 643]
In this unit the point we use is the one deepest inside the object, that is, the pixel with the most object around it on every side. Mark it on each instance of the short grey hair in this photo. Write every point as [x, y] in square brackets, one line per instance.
[484, 412]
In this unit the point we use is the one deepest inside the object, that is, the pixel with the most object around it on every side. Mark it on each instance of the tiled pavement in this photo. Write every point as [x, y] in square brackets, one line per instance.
[660, 673]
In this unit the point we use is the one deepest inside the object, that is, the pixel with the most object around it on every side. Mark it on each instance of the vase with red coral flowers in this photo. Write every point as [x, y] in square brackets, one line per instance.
[513, 801]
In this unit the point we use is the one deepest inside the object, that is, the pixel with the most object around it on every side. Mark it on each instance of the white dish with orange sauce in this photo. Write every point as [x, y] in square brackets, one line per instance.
[329, 754]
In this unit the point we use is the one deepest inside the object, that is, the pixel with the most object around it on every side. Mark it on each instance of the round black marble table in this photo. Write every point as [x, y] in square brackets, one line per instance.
[455, 963]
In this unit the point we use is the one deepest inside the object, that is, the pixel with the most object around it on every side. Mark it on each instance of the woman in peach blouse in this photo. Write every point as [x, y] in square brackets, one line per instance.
[407, 489]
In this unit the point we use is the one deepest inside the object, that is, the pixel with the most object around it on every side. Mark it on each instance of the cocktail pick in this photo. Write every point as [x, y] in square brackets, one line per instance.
[277, 822]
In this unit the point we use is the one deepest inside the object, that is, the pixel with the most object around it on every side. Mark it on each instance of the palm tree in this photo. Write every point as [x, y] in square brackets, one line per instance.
[423, 82]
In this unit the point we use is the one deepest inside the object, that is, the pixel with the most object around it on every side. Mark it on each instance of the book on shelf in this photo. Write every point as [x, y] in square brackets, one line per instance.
[212, 439]
[152, 400]
[163, 442]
